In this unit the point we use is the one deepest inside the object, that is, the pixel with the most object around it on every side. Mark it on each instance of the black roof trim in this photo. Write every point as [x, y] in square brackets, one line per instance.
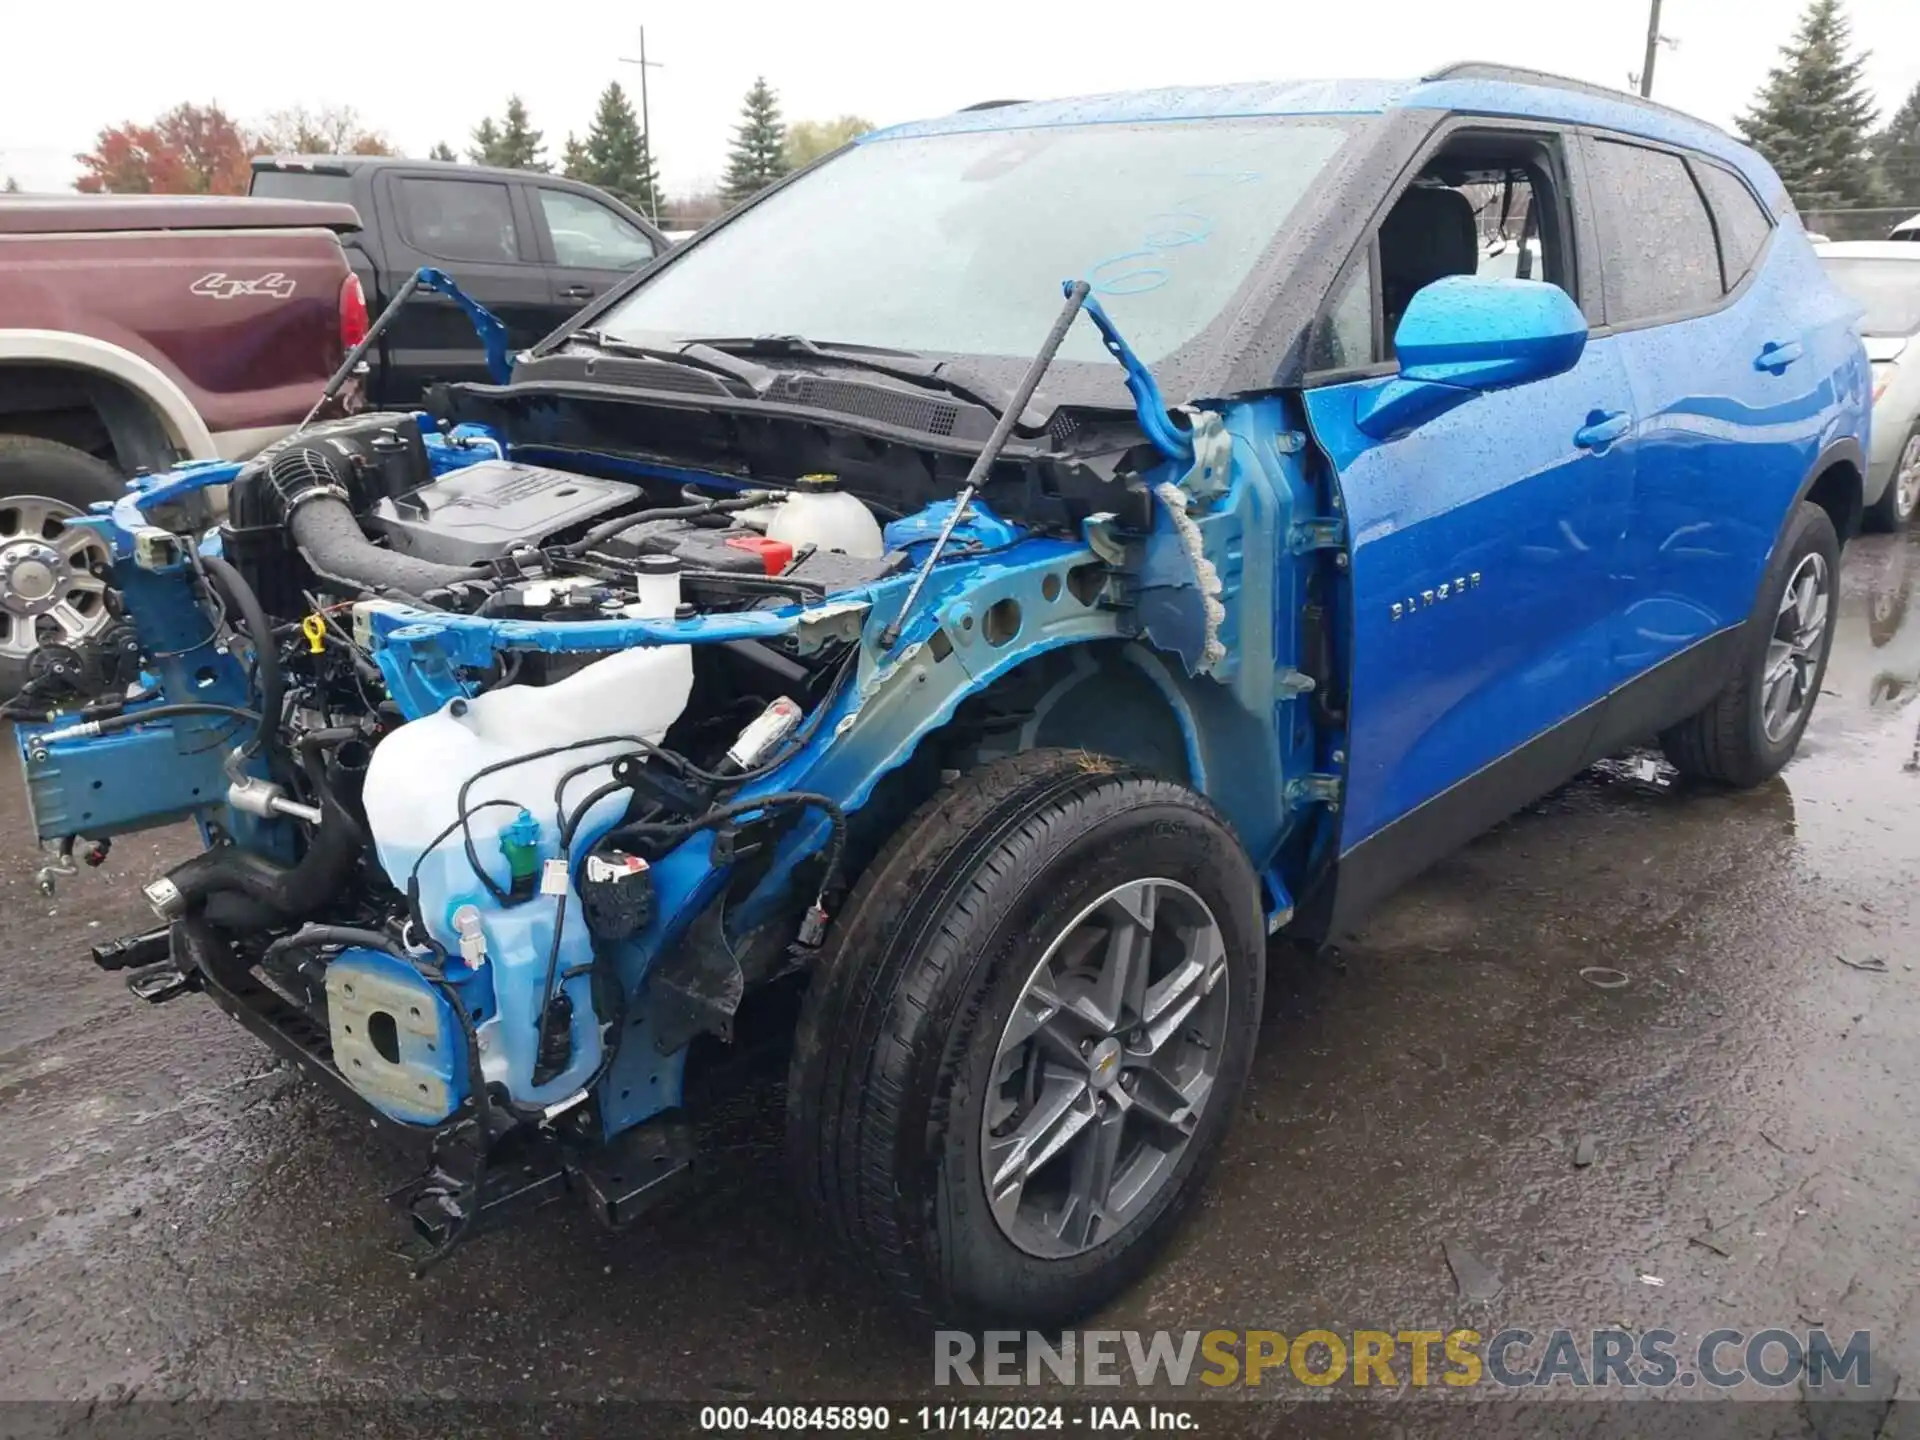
[1520, 75]
[987, 105]
[349, 164]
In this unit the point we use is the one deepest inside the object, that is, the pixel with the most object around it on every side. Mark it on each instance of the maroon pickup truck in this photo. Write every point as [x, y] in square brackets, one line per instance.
[136, 331]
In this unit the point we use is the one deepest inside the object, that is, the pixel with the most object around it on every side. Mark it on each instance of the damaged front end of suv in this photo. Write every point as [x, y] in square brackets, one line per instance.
[533, 735]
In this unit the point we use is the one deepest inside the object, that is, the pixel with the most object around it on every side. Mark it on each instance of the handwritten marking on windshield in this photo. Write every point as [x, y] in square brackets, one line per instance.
[1135, 272]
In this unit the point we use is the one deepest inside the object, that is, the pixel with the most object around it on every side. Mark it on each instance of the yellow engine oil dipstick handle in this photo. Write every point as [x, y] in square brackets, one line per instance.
[315, 629]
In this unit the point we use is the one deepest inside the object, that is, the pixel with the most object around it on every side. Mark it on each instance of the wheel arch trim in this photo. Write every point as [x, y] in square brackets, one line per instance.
[64, 349]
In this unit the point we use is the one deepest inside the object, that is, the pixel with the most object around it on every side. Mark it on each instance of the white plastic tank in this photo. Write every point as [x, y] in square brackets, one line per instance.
[413, 794]
[822, 516]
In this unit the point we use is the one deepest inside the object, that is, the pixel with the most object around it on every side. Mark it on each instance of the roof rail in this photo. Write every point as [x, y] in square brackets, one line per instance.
[987, 105]
[1520, 75]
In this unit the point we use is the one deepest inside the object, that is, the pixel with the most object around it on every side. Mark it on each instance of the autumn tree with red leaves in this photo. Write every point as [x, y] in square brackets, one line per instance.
[190, 150]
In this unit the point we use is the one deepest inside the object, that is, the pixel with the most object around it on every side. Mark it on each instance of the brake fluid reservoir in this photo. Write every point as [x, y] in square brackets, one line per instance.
[414, 806]
[820, 515]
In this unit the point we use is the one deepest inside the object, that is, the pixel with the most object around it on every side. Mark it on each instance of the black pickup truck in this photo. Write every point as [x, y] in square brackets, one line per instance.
[532, 248]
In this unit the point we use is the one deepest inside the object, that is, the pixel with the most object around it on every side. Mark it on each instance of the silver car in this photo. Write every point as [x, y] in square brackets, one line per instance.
[1884, 276]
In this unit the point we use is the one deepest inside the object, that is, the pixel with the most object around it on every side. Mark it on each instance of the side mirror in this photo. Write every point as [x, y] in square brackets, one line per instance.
[1465, 335]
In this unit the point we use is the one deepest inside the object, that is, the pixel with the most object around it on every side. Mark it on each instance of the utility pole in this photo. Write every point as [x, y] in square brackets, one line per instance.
[1653, 49]
[646, 123]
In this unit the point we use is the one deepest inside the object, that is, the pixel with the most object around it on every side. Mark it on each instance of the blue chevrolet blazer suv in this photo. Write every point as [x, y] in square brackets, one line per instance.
[944, 619]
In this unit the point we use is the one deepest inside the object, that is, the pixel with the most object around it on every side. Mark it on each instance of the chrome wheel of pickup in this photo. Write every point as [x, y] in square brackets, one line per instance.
[1104, 1068]
[46, 569]
[1796, 649]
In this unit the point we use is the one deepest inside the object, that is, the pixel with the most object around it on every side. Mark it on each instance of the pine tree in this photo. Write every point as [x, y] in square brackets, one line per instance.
[12, 187]
[759, 153]
[442, 151]
[509, 142]
[486, 142]
[1897, 151]
[615, 155]
[1813, 116]
[520, 143]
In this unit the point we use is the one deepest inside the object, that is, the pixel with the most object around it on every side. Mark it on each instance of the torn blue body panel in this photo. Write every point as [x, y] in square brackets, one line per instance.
[1189, 614]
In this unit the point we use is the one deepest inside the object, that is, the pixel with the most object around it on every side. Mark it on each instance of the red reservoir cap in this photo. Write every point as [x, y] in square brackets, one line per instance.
[776, 555]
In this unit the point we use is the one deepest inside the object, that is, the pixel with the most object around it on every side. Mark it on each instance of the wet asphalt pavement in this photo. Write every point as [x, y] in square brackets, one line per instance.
[182, 1216]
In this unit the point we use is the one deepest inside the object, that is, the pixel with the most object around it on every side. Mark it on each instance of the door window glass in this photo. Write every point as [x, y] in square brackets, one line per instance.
[1344, 337]
[1657, 252]
[1744, 222]
[1474, 210]
[458, 219]
[587, 234]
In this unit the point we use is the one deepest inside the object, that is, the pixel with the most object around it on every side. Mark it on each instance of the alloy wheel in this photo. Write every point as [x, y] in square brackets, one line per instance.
[1794, 652]
[47, 569]
[1105, 1068]
[1906, 478]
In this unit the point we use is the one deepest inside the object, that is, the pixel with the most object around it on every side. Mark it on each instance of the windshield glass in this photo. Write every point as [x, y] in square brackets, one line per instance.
[958, 243]
[1890, 289]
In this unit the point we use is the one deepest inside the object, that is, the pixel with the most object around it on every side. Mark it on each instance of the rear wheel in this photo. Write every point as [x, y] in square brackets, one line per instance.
[1896, 504]
[48, 588]
[1752, 727]
[1027, 1039]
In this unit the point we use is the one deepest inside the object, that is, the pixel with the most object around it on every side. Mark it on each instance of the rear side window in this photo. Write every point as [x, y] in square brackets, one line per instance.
[458, 219]
[1657, 251]
[1744, 221]
[302, 185]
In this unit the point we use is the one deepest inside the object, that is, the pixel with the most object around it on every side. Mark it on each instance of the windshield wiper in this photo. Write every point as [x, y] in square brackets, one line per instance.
[952, 376]
[693, 355]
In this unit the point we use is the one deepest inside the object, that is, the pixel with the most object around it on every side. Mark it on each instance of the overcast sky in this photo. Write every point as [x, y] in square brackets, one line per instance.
[429, 72]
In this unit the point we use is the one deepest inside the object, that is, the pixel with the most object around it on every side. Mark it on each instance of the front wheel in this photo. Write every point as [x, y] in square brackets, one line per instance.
[1027, 1039]
[1751, 729]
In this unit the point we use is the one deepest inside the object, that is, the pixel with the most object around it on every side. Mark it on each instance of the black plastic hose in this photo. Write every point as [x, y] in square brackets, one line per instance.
[267, 674]
[272, 893]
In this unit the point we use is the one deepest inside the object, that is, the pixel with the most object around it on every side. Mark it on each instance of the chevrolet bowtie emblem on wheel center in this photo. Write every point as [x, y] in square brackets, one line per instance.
[1105, 1062]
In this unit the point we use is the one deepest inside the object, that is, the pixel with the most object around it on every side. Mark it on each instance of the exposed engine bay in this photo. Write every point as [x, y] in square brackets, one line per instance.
[520, 765]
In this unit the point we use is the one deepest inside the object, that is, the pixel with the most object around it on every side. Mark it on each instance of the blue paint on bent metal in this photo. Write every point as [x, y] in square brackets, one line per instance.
[487, 325]
[980, 529]
[146, 492]
[1148, 403]
[172, 769]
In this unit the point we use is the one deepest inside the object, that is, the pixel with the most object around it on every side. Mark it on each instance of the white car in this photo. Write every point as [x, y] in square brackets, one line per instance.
[1908, 230]
[1884, 276]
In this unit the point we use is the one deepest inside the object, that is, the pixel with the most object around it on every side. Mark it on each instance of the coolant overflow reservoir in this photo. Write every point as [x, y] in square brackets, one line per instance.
[822, 516]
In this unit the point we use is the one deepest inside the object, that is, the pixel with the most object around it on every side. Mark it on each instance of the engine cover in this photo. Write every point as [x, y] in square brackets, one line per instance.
[482, 511]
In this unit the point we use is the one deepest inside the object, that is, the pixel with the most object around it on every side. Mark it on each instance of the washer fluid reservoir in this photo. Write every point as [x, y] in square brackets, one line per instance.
[413, 794]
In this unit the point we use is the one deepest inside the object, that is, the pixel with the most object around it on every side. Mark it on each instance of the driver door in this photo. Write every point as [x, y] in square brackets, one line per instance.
[1480, 540]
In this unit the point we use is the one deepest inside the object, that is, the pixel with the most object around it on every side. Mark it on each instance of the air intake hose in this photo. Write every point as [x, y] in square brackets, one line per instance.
[311, 482]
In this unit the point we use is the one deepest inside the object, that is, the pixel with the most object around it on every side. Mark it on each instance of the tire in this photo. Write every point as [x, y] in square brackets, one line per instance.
[1894, 508]
[42, 478]
[892, 1073]
[1734, 740]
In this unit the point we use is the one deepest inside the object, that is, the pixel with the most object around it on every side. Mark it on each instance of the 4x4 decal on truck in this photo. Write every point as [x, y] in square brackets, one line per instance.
[222, 287]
